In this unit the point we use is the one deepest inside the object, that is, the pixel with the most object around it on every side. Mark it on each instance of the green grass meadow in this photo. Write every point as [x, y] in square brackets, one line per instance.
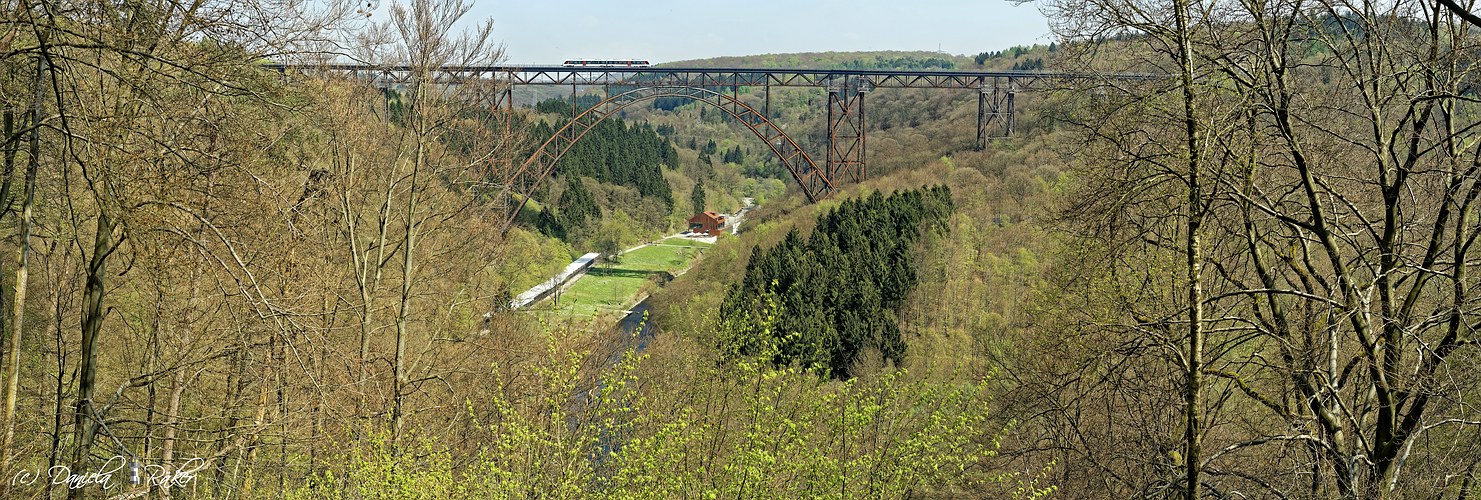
[607, 290]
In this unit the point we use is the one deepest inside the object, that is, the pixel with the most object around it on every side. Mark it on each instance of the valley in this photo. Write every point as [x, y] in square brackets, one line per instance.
[355, 250]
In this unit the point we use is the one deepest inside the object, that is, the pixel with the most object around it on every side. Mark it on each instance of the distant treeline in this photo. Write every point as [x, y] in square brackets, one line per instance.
[1014, 52]
[824, 301]
[904, 62]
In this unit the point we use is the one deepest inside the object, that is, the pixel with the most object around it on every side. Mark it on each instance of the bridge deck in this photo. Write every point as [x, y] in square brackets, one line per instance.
[726, 77]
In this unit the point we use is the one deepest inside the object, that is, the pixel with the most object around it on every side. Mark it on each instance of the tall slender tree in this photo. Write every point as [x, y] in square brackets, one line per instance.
[697, 196]
[23, 263]
[424, 36]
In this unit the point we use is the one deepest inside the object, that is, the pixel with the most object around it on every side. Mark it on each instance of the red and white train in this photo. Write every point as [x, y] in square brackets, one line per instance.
[605, 63]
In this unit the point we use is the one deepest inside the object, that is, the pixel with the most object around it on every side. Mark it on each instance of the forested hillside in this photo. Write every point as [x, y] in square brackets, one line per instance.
[628, 180]
[624, 162]
[1251, 274]
[614, 152]
[1253, 282]
[288, 284]
[835, 295]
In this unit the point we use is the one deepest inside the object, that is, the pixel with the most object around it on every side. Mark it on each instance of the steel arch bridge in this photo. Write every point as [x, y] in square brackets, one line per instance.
[815, 182]
[845, 158]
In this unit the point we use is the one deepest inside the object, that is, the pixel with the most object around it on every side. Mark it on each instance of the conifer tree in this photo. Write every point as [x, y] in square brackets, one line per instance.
[697, 196]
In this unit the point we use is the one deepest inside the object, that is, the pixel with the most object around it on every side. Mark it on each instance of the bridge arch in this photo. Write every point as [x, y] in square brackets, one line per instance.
[541, 164]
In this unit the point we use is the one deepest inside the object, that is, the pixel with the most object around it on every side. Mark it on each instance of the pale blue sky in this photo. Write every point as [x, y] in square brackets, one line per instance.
[549, 31]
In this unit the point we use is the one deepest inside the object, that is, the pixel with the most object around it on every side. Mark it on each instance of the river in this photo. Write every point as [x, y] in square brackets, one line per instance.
[631, 323]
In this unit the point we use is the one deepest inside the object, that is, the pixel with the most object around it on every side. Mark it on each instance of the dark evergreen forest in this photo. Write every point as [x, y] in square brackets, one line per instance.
[615, 152]
[612, 152]
[824, 301]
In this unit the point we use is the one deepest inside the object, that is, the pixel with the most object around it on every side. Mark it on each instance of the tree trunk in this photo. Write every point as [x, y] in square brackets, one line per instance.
[1191, 392]
[53, 456]
[11, 139]
[398, 411]
[92, 323]
[235, 387]
[367, 272]
[172, 421]
[22, 271]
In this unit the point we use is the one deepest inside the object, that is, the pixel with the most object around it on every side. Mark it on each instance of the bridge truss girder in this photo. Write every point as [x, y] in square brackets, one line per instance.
[525, 180]
[699, 77]
[846, 130]
[995, 100]
[995, 104]
[847, 123]
[996, 90]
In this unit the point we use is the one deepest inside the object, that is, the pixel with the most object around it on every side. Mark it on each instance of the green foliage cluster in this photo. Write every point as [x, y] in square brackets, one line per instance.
[670, 103]
[705, 154]
[375, 471]
[616, 153]
[839, 289]
[1029, 64]
[563, 107]
[577, 210]
[577, 206]
[903, 62]
[733, 155]
[1012, 53]
[643, 428]
[768, 169]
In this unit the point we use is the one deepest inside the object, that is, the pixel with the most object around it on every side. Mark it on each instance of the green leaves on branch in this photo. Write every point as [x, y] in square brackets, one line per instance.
[640, 430]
